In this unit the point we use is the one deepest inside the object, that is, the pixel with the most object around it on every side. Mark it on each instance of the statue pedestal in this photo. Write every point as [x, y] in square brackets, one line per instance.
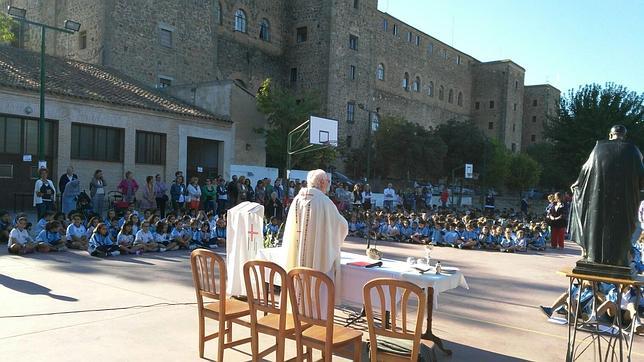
[604, 270]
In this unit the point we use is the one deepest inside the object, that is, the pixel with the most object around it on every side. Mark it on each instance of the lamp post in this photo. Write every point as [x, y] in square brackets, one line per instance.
[71, 27]
[372, 126]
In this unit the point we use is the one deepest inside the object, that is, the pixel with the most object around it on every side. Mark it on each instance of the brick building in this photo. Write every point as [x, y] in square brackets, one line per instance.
[348, 51]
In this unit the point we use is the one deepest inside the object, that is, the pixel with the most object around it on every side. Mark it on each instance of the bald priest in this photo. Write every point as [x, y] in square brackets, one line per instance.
[314, 229]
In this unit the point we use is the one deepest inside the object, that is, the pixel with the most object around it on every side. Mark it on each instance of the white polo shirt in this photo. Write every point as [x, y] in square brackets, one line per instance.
[20, 236]
[79, 231]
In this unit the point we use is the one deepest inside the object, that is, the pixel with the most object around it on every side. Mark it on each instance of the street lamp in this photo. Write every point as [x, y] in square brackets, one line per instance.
[372, 126]
[71, 27]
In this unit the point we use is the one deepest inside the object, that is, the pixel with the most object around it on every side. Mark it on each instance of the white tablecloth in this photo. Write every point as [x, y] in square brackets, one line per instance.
[355, 277]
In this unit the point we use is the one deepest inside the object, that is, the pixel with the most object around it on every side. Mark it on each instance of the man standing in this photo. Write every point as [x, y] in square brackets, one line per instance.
[605, 203]
[389, 197]
[315, 229]
[64, 179]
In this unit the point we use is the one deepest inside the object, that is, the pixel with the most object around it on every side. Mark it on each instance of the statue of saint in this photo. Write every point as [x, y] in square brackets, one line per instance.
[604, 207]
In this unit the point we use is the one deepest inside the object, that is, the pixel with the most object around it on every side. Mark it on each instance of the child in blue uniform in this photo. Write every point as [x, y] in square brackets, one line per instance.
[162, 237]
[219, 234]
[100, 244]
[49, 239]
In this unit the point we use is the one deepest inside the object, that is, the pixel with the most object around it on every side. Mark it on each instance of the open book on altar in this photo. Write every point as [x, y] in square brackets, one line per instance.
[244, 236]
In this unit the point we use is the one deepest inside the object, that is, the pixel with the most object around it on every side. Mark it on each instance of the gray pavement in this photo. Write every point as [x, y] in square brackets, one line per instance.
[71, 307]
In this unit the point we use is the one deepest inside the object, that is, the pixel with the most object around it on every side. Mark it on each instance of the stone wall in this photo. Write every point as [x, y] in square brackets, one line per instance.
[536, 116]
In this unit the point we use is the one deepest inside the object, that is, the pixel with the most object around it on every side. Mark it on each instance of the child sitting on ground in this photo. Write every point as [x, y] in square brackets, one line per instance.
[40, 225]
[507, 243]
[145, 238]
[162, 237]
[76, 234]
[50, 239]
[180, 236]
[125, 240]
[469, 237]
[521, 241]
[421, 236]
[537, 242]
[20, 242]
[219, 234]
[437, 235]
[355, 228]
[100, 244]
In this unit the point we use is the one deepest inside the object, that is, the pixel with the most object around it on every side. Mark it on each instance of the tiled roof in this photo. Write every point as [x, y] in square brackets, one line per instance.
[20, 68]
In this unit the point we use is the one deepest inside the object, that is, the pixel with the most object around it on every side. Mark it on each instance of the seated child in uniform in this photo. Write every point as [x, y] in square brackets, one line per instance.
[485, 237]
[451, 235]
[77, 234]
[100, 244]
[219, 234]
[470, 237]
[437, 234]
[272, 230]
[40, 225]
[50, 239]
[20, 242]
[507, 243]
[194, 228]
[113, 230]
[180, 235]
[163, 238]
[125, 241]
[145, 238]
[537, 242]
[5, 226]
[405, 231]
[201, 236]
[521, 240]
[421, 236]
[355, 228]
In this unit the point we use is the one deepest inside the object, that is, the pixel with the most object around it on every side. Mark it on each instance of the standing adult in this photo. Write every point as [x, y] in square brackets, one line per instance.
[128, 187]
[279, 188]
[260, 192]
[241, 189]
[160, 194]
[194, 194]
[366, 197]
[315, 230]
[270, 187]
[222, 196]
[44, 194]
[274, 207]
[489, 204]
[148, 197]
[68, 200]
[70, 195]
[233, 191]
[97, 192]
[389, 197]
[209, 195]
[606, 199]
[357, 196]
[250, 191]
[558, 223]
[178, 193]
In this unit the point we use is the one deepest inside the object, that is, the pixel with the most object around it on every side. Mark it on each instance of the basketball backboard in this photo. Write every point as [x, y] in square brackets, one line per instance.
[323, 131]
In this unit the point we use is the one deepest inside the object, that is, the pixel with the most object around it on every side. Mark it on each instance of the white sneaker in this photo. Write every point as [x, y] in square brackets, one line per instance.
[162, 250]
[212, 246]
[115, 253]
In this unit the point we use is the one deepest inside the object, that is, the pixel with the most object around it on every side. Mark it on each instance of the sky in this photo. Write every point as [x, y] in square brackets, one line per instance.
[565, 43]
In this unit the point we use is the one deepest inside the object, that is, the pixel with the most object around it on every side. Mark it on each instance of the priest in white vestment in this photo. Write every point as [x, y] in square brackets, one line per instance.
[315, 229]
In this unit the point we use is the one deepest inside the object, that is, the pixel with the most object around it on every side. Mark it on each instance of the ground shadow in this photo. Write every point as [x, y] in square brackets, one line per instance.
[31, 288]
[463, 352]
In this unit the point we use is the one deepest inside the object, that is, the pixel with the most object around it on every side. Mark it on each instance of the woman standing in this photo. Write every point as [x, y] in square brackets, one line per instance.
[70, 195]
[209, 192]
[260, 192]
[194, 194]
[557, 218]
[44, 194]
[241, 190]
[250, 193]
[274, 207]
[178, 193]
[97, 192]
[357, 196]
[148, 198]
[366, 197]
[128, 187]
[160, 196]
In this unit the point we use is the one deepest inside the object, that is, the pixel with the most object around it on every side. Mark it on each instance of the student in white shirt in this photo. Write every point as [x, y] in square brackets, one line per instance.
[146, 238]
[77, 234]
[20, 242]
[125, 241]
[389, 197]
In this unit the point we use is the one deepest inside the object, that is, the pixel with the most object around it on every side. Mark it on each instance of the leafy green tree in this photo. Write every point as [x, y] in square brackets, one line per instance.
[6, 23]
[585, 116]
[496, 164]
[465, 143]
[284, 111]
[553, 171]
[523, 172]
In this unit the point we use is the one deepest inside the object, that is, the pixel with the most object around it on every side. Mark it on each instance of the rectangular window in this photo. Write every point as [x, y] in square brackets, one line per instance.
[490, 125]
[516, 84]
[6, 171]
[97, 143]
[395, 29]
[293, 76]
[458, 59]
[352, 72]
[417, 40]
[385, 25]
[82, 40]
[20, 136]
[430, 49]
[515, 106]
[302, 34]
[534, 119]
[477, 105]
[150, 148]
[351, 107]
[164, 82]
[349, 141]
[514, 147]
[491, 104]
[353, 42]
[165, 37]
[445, 53]
[356, 4]
[409, 36]
[514, 127]
[13, 135]
[533, 138]
[534, 102]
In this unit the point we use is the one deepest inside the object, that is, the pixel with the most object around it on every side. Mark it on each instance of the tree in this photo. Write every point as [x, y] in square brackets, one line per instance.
[553, 171]
[586, 115]
[284, 111]
[464, 141]
[523, 172]
[6, 34]
[405, 150]
[496, 164]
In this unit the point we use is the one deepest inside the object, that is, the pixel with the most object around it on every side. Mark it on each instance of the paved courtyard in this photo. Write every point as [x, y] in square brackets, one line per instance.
[70, 307]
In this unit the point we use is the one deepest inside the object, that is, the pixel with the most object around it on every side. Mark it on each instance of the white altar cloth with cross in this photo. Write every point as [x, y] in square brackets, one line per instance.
[244, 237]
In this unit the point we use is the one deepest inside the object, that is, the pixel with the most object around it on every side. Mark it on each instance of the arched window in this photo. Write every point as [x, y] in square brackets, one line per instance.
[240, 21]
[380, 72]
[441, 93]
[218, 17]
[450, 96]
[265, 30]
[459, 100]
[405, 82]
[417, 84]
[430, 89]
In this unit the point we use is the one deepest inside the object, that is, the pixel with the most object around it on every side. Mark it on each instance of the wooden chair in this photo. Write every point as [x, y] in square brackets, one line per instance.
[260, 279]
[207, 269]
[387, 290]
[306, 288]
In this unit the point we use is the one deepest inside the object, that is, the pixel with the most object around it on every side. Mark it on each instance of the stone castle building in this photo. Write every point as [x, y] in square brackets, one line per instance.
[354, 56]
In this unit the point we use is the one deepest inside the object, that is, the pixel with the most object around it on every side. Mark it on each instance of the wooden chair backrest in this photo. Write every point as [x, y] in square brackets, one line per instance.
[386, 292]
[263, 297]
[207, 266]
[305, 286]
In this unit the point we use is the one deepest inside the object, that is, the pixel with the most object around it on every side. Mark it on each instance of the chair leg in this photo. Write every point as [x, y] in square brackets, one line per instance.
[357, 350]
[298, 346]
[279, 353]
[229, 334]
[220, 339]
[254, 343]
[327, 355]
[309, 354]
[202, 336]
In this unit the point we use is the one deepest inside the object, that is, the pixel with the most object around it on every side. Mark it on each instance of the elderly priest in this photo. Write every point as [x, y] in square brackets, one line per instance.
[314, 229]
